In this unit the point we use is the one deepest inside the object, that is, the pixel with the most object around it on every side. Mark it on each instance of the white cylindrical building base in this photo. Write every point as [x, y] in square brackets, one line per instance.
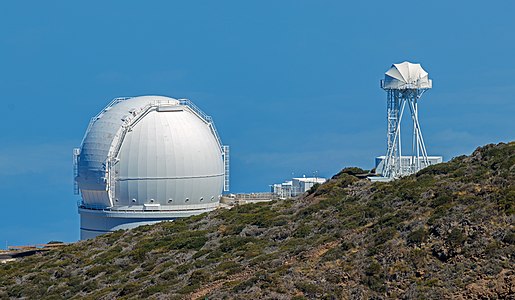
[95, 222]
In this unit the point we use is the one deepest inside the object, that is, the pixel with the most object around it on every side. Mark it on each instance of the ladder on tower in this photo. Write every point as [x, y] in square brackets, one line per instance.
[76, 153]
[226, 167]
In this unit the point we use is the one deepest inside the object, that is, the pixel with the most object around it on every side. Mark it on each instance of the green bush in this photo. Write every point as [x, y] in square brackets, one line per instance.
[456, 237]
[94, 271]
[506, 202]
[309, 289]
[374, 276]
[350, 171]
[440, 200]
[338, 252]
[198, 277]
[509, 238]
[384, 235]
[138, 254]
[302, 231]
[313, 188]
[193, 240]
[229, 267]
[169, 275]
[417, 236]
[232, 243]
[153, 289]
[200, 253]
[184, 268]
[188, 289]
[109, 255]
[213, 254]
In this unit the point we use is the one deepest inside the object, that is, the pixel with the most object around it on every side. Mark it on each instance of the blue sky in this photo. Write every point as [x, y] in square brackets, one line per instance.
[293, 86]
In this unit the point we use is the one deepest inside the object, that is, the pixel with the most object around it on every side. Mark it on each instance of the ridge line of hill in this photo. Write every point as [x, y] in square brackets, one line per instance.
[445, 232]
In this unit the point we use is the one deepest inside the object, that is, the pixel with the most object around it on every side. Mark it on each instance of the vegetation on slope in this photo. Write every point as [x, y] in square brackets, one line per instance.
[444, 232]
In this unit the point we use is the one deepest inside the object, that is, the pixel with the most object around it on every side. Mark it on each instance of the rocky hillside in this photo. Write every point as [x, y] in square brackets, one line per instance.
[446, 232]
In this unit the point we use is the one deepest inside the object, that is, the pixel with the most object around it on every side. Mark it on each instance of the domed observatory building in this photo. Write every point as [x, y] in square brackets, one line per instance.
[148, 159]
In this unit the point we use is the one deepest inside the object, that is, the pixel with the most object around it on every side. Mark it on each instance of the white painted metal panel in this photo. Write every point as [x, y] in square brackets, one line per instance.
[148, 151]
[170, 155]
[99, 138]
[406, 75]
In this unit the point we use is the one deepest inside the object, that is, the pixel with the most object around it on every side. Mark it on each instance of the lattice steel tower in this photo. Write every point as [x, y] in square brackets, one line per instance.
[404, 84]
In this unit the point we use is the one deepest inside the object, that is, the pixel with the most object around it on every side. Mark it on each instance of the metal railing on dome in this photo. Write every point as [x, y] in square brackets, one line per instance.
[97, 116]
[203, 116]
[186, 102]
[130, 121]
[211, 124]
[134, 117]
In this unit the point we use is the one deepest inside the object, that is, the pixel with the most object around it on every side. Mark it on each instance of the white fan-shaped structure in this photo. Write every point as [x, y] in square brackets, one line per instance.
[406, 75]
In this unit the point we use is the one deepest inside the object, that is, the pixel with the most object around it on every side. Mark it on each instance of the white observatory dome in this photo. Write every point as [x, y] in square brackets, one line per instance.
[406, 75]
[147, 159]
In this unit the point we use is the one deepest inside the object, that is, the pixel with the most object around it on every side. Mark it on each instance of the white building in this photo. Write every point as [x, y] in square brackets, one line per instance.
[295, 187]
[408, 164]
[282, 190]
[147, 159]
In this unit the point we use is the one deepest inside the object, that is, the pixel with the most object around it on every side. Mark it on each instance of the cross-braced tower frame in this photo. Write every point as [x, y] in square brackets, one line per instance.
[405, 84]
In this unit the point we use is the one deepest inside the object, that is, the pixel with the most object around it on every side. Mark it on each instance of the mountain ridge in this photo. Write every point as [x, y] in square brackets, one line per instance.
[445, 232]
